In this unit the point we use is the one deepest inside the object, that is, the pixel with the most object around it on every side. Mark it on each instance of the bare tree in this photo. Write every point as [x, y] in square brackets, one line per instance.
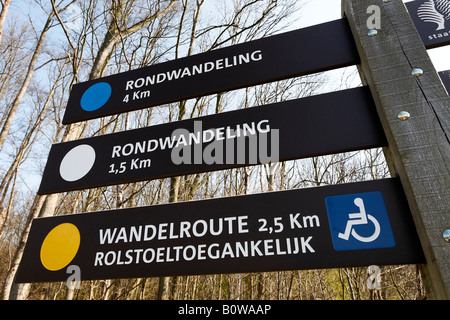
[121, 24]
[3, 14]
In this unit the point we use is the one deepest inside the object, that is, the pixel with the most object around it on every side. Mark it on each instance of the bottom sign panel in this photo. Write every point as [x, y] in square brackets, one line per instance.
[354, 224]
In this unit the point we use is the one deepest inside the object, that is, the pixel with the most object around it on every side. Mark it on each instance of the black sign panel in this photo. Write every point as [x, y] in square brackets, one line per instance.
[432, 20]
[352, 224]
[445, 77]
[323, 124]
[309, 50]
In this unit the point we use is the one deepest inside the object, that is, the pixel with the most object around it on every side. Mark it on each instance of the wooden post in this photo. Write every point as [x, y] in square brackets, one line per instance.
[419, 147]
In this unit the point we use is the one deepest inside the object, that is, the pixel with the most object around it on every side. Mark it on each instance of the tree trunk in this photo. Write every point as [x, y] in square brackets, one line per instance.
[164, 288]
[3, 14]
[8, 291]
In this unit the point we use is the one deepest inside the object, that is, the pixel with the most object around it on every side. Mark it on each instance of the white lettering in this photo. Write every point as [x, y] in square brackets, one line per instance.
[213, 251]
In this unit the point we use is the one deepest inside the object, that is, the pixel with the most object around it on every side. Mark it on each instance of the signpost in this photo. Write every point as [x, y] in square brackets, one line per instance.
[278, 57]
[419, 149]
[323, 124]
[285, 230]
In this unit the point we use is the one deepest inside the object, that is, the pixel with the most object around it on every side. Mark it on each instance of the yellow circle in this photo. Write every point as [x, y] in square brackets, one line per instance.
[60, 246]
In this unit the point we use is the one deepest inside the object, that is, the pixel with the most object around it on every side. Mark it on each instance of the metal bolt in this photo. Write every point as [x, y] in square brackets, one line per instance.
[446, 235]
[386, 1]
[403, 115]
[372, 33]
[417, 72]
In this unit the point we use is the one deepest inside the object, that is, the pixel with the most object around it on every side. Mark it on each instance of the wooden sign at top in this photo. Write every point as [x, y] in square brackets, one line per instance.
[284, 230]
[432, 20]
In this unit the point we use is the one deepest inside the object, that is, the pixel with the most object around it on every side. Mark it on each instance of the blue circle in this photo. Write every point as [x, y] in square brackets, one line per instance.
[96, 96]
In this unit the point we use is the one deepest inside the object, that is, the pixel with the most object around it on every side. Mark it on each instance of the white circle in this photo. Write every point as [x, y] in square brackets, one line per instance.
[77, 162]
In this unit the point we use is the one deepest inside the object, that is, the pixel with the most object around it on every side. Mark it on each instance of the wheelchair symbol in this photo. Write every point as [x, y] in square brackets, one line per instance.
[360, 218]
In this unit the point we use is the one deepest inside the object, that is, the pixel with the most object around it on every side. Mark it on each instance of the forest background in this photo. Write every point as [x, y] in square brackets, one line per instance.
[46, 46]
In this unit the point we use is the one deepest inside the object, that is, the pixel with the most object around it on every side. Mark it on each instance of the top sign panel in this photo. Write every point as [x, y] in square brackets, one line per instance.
[296, 53]
[432, 20]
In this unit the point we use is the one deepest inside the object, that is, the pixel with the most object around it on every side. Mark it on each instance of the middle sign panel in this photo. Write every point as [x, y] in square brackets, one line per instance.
[352, 224]
[318, 125]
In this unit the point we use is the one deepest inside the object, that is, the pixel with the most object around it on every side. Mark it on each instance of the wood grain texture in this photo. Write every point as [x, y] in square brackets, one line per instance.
[419, 147]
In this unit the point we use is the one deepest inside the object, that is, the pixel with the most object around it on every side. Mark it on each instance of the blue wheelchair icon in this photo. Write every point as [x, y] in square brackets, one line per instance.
[359, 221]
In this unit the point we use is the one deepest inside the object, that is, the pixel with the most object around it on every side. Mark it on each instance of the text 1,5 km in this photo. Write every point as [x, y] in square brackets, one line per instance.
[134, 164]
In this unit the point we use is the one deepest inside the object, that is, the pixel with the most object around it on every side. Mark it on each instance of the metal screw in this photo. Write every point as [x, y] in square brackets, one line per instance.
[403, 115]
[417, 72]
[372, 33]
[446, 235]
[386, 1]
